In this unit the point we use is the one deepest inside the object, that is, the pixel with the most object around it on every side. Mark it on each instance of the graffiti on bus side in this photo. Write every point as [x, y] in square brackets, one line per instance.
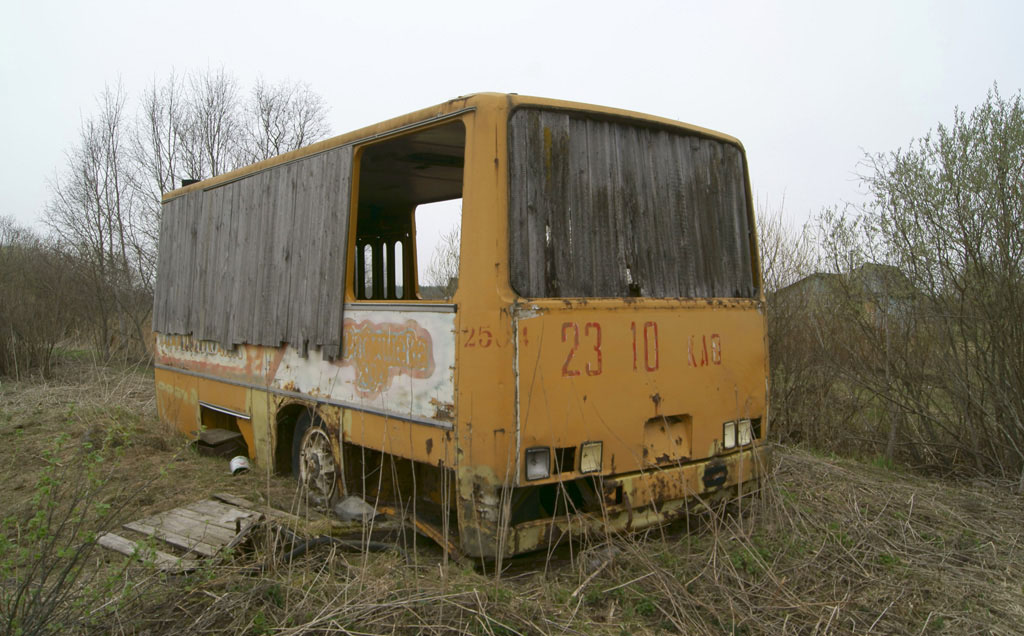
[379, 351]
[243, 362]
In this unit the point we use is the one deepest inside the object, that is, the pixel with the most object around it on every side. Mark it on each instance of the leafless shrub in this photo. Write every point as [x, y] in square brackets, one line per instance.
[803, 387]
[787, 254]
[49, 582]
[99, 221]
[33, 316]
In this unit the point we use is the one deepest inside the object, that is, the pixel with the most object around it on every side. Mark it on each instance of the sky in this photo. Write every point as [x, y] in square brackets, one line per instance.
[808, 87]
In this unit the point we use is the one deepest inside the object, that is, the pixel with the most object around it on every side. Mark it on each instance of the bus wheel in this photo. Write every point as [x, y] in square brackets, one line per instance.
[312, 459]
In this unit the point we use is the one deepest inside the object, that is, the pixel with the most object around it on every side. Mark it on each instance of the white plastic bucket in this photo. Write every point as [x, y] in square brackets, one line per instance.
[239, 465]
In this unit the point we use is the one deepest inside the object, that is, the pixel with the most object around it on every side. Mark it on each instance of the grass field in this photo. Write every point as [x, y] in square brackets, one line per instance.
[828, 546]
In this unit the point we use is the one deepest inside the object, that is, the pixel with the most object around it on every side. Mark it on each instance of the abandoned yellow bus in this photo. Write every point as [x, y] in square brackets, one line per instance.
[595, 362]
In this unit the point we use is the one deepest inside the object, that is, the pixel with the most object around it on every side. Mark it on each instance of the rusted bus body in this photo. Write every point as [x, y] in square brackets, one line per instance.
[599, 367]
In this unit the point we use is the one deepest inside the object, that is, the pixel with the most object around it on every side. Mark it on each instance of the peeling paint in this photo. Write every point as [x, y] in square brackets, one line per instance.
[443, 411]
[380, 351]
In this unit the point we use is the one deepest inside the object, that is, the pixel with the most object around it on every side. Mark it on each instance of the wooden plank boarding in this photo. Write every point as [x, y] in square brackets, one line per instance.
[163, 561]
[610, 209]
[260, 260]
[334, 252]
[186, 543]
[218, 513]
[205, 528]
[241, 502]
[190, 525]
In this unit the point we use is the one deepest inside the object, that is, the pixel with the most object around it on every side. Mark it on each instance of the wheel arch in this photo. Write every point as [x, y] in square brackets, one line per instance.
[284, 424]
[288, 415]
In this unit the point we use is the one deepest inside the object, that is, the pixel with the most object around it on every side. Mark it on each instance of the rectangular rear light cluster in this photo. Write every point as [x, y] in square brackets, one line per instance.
[590, 457]
[538, 463]
[737, 433]
[538, 460]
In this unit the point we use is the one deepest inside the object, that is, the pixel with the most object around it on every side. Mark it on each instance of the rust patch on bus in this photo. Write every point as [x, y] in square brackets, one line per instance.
[715, 475]
[443, 411]
[244, 362]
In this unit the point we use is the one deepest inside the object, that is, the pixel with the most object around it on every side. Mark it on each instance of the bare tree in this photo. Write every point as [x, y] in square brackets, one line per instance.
[96, 213]
[105, 205]
[443, 271]
[199, 126]
[799, 386]
[156, 142]
[212, 129]
[787, 254]
[283, 117]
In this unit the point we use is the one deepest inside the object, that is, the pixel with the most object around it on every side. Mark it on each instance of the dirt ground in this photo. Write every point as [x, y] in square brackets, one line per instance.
[828, 546]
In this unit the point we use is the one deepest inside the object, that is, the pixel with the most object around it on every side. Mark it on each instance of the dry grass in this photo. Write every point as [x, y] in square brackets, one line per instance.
[828, 546]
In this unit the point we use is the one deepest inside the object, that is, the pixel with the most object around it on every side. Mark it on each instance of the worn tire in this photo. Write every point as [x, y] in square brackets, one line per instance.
[312, 461]
[302, 425]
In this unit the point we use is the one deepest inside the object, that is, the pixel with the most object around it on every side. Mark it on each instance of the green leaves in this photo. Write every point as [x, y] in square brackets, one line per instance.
[918, 315]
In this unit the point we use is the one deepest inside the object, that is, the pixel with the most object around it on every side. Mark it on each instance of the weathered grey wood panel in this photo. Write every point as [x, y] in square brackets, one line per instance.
[334, 253]
[260, 260]
[163, 561]
[604, 208]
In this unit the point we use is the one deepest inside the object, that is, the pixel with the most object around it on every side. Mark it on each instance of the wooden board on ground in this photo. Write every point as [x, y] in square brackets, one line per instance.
[311, 524]
[183, 541]
[203, 528]
[273, 513]
[165, 562]
[217, 513]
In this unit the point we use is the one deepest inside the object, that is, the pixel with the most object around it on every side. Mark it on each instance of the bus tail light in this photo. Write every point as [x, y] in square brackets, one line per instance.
[743, 433]
[737, 433]
[729, 435]
[590, 457]
[538, 463]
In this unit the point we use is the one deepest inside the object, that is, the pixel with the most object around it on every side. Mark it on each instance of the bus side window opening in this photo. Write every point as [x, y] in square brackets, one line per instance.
[438, 235]
[408, 215]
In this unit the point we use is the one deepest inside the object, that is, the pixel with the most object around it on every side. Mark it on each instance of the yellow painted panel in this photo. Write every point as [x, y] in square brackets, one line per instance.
[177, 401]
[245, 428]
[262, 410]
[602, 370]
[418, 442]
[227, 396]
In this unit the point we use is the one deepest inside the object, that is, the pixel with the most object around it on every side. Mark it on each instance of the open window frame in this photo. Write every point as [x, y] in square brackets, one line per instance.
[395, 176]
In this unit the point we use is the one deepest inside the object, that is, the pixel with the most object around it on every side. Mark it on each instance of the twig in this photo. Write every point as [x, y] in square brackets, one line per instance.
[870, 629]
[588, 579]
[621, 585]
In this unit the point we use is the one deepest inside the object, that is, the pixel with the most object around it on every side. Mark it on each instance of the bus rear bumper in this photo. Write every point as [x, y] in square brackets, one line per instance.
[634, 501]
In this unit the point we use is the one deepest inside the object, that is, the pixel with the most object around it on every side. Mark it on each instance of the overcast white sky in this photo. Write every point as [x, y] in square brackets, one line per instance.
[807, 86]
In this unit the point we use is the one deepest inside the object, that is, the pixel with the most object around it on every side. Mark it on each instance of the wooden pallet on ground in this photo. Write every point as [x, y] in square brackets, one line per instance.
[200, 529]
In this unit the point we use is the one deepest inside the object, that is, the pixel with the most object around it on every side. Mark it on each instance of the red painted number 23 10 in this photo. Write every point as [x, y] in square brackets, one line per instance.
[592, 333]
